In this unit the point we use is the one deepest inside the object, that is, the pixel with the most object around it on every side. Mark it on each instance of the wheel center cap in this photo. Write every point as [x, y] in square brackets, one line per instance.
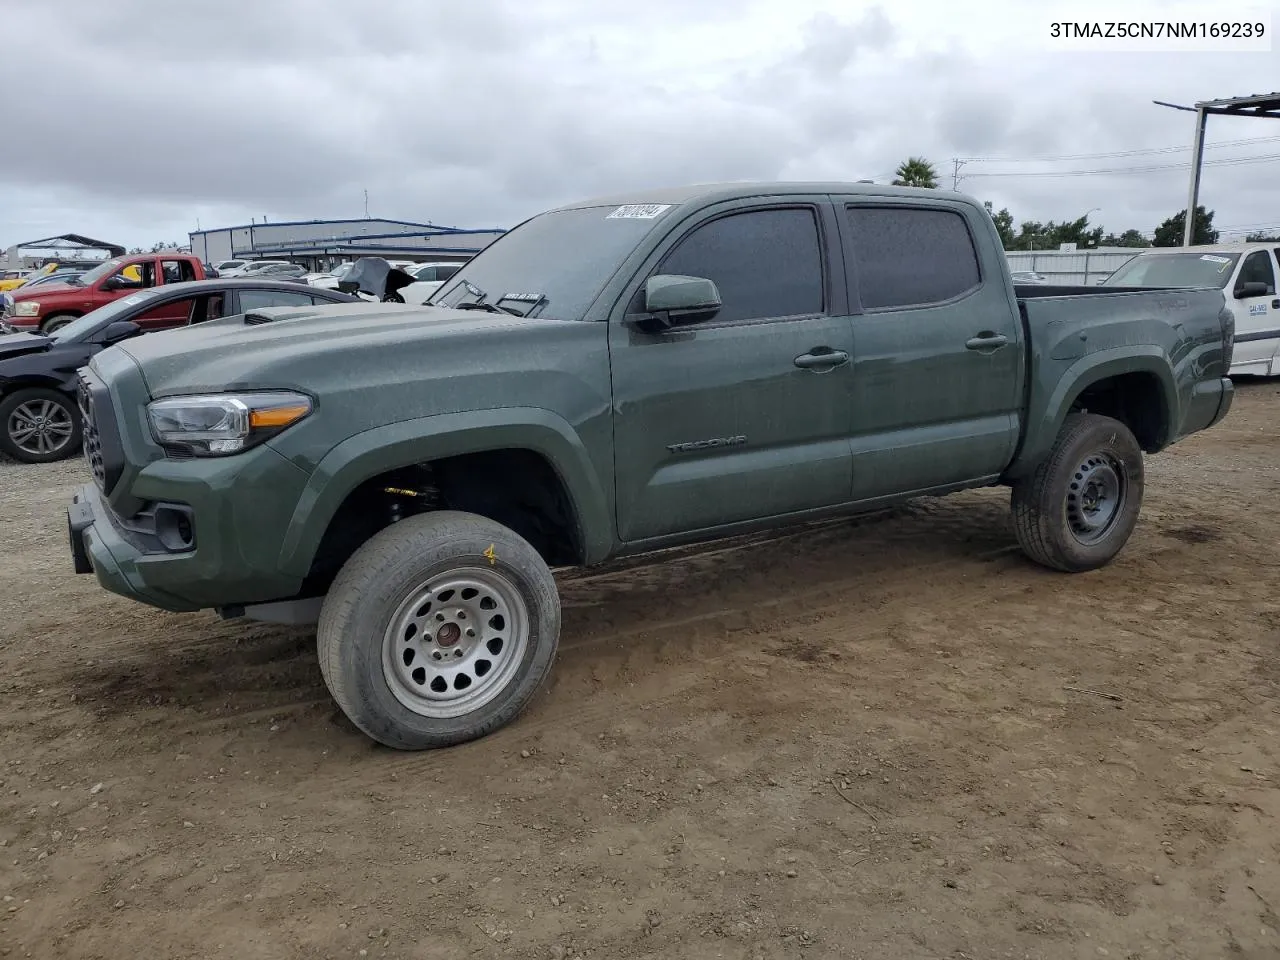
[448, 635]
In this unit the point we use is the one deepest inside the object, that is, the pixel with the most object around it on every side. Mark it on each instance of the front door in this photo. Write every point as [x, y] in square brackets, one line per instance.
[745, 415]
[938, 352]
[1257, 321]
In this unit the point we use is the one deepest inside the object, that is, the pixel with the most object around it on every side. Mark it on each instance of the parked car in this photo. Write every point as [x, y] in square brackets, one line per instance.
[223, 266]
[39, 421]
[47, 308]
[1028, 276]
[1246, 271]
[11, 282]
[331, 280]
[275, 269]
[614, 377]
[428, 278]
[65, 276]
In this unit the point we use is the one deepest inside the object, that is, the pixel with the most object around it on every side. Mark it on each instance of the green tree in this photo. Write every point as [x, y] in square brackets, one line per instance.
[1262, 238]
[1034, 235]
[916, 172]
[1130, 238]
[1004, 224]
[1169, 233]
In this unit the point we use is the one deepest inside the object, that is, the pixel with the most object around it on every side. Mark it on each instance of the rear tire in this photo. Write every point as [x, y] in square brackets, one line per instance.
[438, 630]
[39, 425]
[1078, 509]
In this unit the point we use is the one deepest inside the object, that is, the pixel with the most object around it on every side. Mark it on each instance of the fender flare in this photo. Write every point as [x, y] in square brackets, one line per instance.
[376, 451]
[1084, 373]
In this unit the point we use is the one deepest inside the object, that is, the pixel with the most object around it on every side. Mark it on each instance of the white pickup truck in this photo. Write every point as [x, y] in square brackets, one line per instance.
[1245, 272]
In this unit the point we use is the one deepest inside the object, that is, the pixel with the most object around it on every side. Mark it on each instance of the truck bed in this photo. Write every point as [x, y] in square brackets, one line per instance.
[1074, 327]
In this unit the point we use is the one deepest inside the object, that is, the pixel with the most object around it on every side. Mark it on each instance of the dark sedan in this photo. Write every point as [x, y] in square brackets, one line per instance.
[39, 422]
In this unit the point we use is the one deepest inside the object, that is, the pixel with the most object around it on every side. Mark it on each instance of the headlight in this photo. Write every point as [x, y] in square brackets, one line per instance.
[27, 308]
[220, 424]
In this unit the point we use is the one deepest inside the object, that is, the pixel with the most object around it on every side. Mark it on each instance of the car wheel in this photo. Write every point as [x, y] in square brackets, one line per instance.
[39, 426]
[56, 322]
[1079, 507]
[438, 630]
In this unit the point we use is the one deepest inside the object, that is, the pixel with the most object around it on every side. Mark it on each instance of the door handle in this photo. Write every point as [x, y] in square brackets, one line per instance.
[1275, 304]
[821, 358]
[987, 341]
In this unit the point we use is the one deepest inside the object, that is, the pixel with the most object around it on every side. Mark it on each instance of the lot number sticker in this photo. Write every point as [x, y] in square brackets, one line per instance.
[1212, 259]
[638, 211]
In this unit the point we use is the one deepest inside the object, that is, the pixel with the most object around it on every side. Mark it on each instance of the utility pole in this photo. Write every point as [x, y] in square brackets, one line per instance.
[366, 204]
[1197, 160]
[1193, 189]
[956, 164]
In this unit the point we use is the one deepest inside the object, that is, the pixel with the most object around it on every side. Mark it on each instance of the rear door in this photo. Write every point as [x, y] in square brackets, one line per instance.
[938, 362]
[165, 316]
[175, 313]
[743, 416]
[1257, 319]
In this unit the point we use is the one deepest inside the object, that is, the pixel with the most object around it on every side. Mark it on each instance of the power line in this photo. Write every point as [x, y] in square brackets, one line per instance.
[1148, 151]
[1154, 168]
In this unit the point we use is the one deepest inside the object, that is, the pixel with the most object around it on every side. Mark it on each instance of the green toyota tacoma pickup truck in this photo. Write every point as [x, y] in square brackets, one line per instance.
[609, 378]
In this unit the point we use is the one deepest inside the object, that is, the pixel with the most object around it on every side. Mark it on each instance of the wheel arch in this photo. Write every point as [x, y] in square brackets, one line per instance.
[385, 449]
[1145, 369]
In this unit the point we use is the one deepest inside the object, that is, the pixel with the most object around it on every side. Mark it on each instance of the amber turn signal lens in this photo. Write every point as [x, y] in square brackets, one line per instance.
[277, 416]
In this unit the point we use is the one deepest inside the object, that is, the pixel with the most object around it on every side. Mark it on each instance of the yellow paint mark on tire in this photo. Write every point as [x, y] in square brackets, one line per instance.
[491, 555]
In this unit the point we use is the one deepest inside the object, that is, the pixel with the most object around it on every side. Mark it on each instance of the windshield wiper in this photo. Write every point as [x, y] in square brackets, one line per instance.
[487, 308]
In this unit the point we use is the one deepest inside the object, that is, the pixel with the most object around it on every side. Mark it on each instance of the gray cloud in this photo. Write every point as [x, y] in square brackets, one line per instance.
[149, 115]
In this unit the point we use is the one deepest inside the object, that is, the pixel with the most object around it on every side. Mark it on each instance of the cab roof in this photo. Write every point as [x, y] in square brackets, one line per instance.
[702, 194]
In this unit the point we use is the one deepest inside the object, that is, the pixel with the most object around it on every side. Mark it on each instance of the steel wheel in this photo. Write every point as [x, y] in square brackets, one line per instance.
[455, 642]
[1095, 497]
[40, 427]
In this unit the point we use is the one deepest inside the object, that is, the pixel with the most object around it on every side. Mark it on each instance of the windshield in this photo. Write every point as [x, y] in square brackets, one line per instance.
[105, 269]
[1175, 270]
[553, 265]
[94, 320]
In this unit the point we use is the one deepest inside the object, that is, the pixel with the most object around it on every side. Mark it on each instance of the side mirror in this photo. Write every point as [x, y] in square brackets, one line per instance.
[113, 283]
[120, 330]
[1254, 288]
[675, 298]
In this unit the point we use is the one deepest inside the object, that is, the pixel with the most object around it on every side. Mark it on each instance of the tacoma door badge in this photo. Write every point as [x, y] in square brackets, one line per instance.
[714, 442]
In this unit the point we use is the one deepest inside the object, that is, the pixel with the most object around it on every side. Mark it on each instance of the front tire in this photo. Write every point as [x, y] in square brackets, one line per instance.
[438, 630]
[39, 426]
[1078, 509]
[56, 322]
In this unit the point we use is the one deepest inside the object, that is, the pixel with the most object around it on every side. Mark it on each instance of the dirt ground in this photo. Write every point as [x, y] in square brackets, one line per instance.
[886, 738]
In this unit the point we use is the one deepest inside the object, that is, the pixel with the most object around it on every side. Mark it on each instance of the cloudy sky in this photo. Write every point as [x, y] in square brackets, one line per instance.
[133, 120]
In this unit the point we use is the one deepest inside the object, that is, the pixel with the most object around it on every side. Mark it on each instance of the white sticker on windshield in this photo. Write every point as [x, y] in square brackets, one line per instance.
[638, 211]
[1212, 259]
[136, 298]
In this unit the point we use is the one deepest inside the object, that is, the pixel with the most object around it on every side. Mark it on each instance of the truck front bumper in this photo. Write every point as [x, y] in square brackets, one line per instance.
[232, 554]
[100, 548]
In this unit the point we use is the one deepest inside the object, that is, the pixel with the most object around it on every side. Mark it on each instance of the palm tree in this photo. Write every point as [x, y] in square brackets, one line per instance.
[916, 172]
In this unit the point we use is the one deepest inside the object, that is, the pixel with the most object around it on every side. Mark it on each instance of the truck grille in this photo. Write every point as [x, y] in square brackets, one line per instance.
[92, 439]
[103, 451]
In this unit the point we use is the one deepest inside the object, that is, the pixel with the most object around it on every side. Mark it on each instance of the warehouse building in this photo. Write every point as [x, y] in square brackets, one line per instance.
[321, 244]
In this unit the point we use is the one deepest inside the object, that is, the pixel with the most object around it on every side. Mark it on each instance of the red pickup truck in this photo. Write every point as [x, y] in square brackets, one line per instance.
[49, 306]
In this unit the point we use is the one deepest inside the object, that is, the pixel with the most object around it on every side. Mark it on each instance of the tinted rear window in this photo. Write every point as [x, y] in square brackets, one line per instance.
[910, 257]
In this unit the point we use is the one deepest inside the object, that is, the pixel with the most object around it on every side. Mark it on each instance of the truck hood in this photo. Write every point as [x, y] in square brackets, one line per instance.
[46, 291]
[285, 348]
[19, 344]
